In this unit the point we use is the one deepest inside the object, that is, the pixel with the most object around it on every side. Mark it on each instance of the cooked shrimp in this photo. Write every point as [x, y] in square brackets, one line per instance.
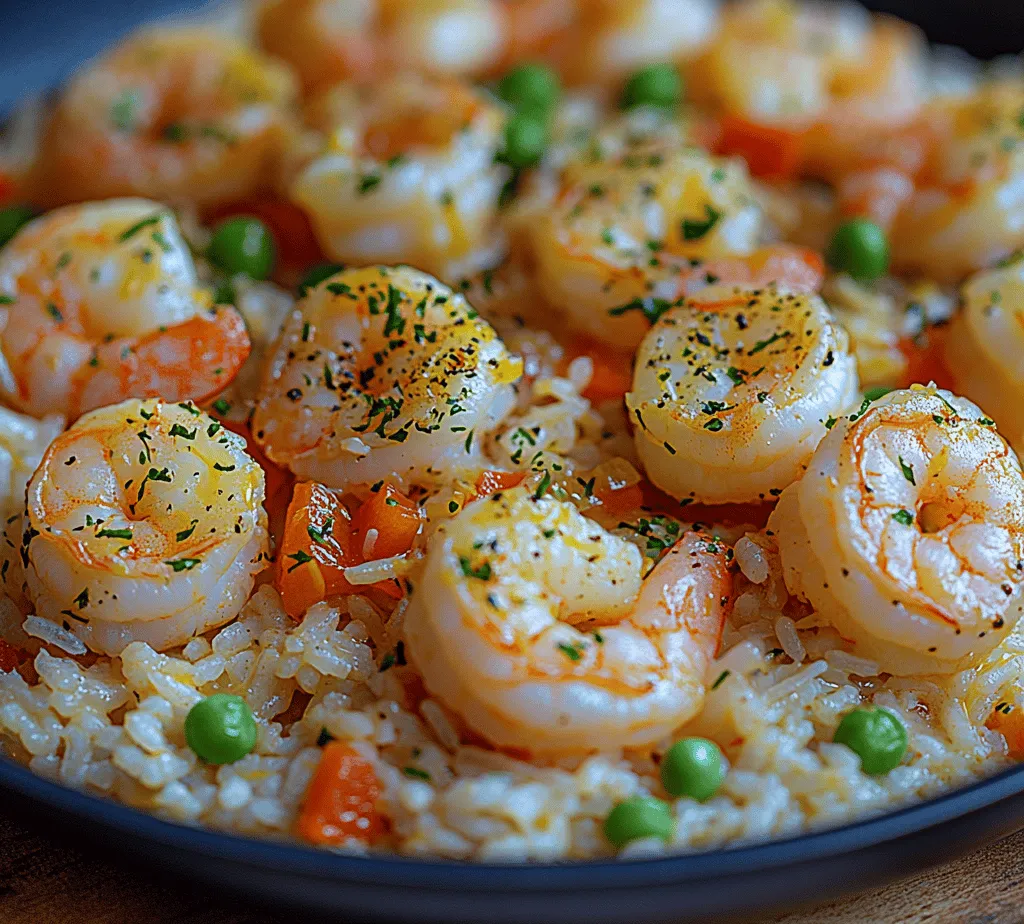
[733, 391]
[100, 302]
[828, 73]
[649, 226]
[406, 174]
[539, 628]
[185, 115]
[382, 371]
[967, 210]
[144, 522]
[331, 40]
[985, 347]
[612, 38]
[907, 532]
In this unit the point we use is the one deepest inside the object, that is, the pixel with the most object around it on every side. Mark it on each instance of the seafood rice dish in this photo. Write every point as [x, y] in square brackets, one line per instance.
[512, 430]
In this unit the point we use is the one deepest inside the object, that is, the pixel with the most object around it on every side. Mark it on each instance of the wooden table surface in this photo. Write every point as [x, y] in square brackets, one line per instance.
[42, 882]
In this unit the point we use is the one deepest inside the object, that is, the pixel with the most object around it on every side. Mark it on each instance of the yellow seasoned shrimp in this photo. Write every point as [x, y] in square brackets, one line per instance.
[967, 208]
[382, 371]
[830, 73]
[733, 391]
[539, 628]
[186, 115]
[100, 302]
[406, 173]
[144, 522]
[648, 226]
[985, 347]
[612, 38]
[331, 40]
[907, 532]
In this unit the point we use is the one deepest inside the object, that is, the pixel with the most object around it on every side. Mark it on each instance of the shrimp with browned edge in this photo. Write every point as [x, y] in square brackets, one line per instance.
[630, 234]
[101, 302]
[144, 522]
[181, 115]
[383, 371]
[404, 172]
[733, 390]
[545, 632]
[907, 532]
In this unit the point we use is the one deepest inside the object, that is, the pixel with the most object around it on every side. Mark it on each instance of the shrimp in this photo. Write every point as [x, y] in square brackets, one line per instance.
[906, 532]
[144, 522]
[327, 41]
[184, 116]
[733, 390]
[101, 302]
[538, 627]
[827, 74]
[406, 173]
[612, 38]
[967, 208]
[382, 371]
[985, 347]
[647, 227]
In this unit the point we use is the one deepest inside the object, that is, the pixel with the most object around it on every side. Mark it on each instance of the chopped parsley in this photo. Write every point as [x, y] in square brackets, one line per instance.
[481, 572]
[300, 558]
[908, 472]
[572, 652]
[695, 228]
[129, 233]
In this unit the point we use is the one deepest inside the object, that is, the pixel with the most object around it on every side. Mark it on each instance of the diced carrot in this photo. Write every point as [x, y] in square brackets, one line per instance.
[316, 548]
[622, 500]
[341, 799]
[924, 361]
[1008, 720]
[491, 482]
[612, 375]
[297, 246]
[10, 657]
[396, 518]
[771, 152]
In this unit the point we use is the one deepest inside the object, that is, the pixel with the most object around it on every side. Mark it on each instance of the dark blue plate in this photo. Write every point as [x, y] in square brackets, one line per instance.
[701, 888]
[44, 42]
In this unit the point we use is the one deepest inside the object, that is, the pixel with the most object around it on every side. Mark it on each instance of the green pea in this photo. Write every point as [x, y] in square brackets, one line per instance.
[12, 219]
[220, 729]
[876, 736]
[655, 85]
[693, 767]
[530, 88]
[317, 274]
[859, 247]
[526, 138]
[639, 817]
[243, 245]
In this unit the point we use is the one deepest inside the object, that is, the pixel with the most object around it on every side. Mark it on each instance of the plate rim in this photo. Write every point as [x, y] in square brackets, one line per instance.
[442, 875]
